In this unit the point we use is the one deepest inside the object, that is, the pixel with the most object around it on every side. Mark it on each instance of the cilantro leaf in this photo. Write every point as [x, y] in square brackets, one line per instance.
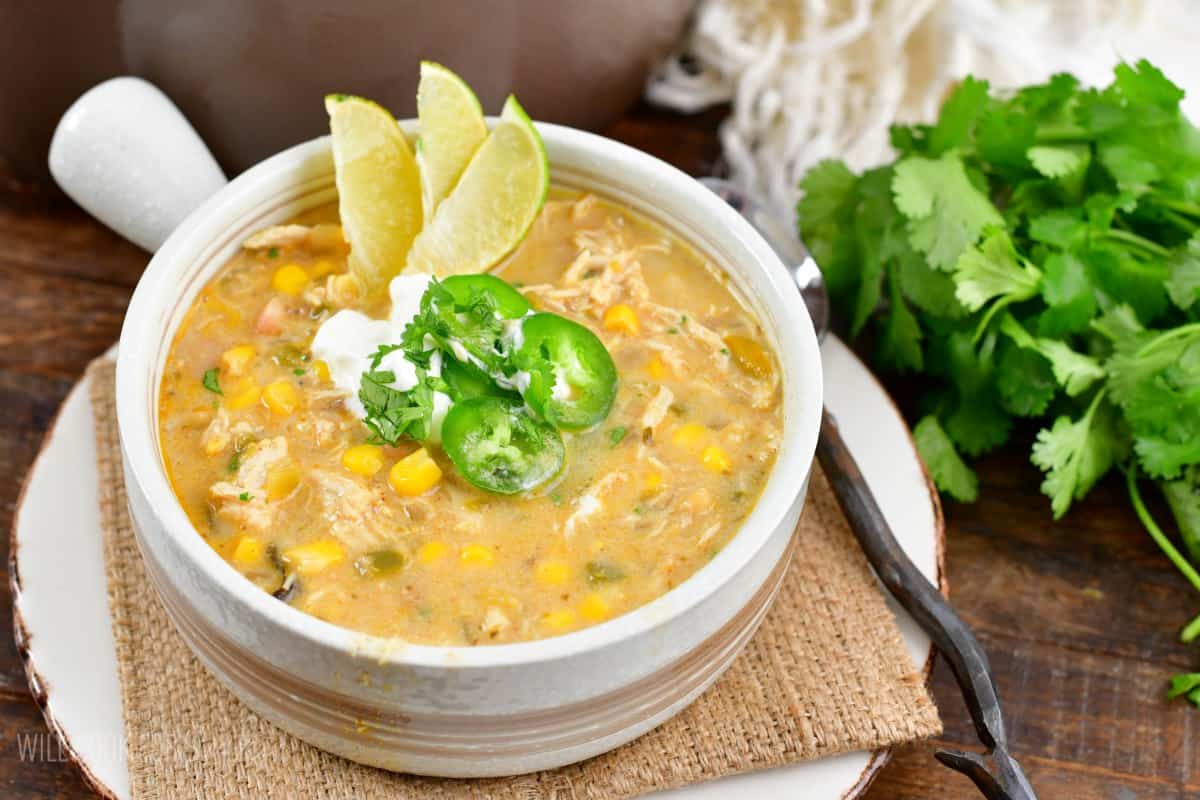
[1183, 273]
[1067, 290]
[994, 270]
[1058, 162]
[1144, 83]
[928, 289]
[394, 413]
[958, 116]
[951, 475]
[827, 188]
[1075, 372]
[946, 212]
[1061, 227]
[211, 380]
[1185, 685]
[1183, 498]
[1161, 458]
[1024, 380]
[975, 419]
[900, 338]
[1075, 454]
[1125, 278]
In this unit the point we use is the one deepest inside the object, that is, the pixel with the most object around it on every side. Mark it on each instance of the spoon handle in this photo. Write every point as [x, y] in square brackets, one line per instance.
[925, 603]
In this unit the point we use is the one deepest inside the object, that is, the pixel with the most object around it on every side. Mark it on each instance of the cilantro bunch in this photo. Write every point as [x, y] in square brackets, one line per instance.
[1036, 254]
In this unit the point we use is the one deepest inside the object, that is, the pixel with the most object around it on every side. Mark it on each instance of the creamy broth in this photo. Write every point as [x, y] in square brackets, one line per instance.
[276, 475]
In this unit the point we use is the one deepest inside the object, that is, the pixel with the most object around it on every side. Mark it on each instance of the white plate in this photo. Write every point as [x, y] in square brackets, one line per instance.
[64, 632]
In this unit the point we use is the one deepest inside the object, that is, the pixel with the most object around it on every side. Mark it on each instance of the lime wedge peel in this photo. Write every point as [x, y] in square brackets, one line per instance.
[379, 187]
[494, 204]
[452, 129]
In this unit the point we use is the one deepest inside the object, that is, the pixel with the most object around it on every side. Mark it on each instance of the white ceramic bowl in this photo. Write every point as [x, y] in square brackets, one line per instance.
[464, 711]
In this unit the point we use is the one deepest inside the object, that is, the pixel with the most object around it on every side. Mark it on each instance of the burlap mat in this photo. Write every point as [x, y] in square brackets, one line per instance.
[826, 673]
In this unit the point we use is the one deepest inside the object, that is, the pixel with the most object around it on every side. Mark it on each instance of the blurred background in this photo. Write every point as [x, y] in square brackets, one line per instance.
[806, 79]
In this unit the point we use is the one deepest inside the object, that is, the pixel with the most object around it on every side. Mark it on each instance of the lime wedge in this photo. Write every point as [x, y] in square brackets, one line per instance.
[452, 128]
[379, 187]
[494, 204]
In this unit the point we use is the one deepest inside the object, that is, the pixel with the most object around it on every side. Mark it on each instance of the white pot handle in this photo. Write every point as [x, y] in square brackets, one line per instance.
[127, 154]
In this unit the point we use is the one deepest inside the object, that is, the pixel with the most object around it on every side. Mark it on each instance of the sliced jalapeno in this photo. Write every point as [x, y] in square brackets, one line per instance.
[497, 445]
[467, 381]
[572, 378]
[510, 303]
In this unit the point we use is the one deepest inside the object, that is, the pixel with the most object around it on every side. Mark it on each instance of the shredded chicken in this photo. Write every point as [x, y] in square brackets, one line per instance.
[216, 436]
[278, 236]
[242, 500]
[495, 621]
[222, 430]
[656, 410]
[358, 515]
[589, 503]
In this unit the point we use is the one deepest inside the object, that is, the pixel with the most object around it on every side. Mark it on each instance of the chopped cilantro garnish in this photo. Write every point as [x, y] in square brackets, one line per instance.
[245, 497]
[297, 371]
[616, 435]
[235, 462]
[211, 380]
[273, 252]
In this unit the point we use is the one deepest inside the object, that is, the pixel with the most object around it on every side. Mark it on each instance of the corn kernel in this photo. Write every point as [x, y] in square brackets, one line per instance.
[236, 360]
[322, 268]
[281, 397]
[594, 608]
[414, 474]
[363, 459]
[246, 395]
[656, 368]
[309, 559]
[616, 266]
[690, 435]
[479, 555]
[621, 318]
[749, 355]
[322, 370]
[281, 481]
[559, 620]
[432, 551]
[716, 459]
[552, 572]
[249, 551]
[654, 481]
[216, 444]
[290, 279]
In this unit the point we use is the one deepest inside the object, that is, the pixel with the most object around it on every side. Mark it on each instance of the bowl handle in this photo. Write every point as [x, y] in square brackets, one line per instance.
[127, 155]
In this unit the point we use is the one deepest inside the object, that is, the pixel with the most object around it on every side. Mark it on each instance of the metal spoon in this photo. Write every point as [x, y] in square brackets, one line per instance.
[958, 645]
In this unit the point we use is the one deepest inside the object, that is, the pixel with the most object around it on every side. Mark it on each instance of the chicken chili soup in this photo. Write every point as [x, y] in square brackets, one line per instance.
[625, 445]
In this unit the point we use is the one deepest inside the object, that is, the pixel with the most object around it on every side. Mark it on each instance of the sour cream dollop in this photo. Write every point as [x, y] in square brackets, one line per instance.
[347, 340]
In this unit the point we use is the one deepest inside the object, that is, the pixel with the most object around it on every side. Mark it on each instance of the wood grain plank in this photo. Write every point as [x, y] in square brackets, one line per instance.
[32, 765]
[44, 232]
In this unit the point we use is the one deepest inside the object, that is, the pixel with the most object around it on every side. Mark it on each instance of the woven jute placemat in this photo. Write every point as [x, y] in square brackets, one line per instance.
[826, 673]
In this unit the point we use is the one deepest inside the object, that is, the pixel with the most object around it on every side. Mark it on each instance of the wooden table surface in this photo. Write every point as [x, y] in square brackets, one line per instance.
[1079, 616]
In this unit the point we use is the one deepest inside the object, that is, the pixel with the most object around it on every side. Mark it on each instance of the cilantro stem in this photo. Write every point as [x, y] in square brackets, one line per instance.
[1130, 238]
[1163, 338]
[1051, 134]
[1182, 206]
[1190, 631]
[1179, 221]
[1160, 538]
